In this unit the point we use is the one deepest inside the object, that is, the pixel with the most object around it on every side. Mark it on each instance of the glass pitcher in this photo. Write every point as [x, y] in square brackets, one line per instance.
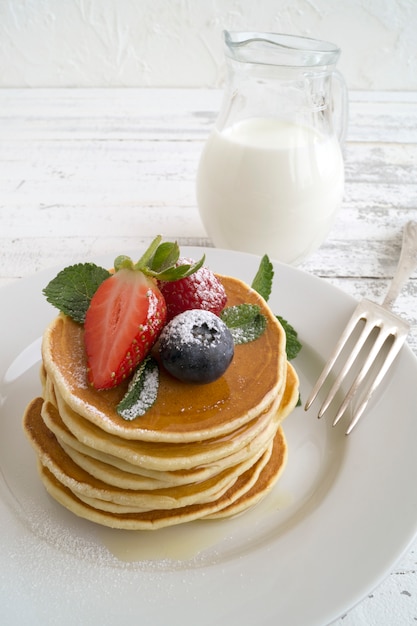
[271, 175]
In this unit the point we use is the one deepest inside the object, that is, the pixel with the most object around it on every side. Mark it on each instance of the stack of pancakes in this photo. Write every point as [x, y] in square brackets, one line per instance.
[201, 451]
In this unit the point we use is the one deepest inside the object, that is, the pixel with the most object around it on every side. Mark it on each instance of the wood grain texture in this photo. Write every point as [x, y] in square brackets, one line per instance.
[93, 171]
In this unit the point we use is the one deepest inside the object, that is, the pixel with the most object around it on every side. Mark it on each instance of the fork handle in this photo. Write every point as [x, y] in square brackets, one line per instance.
[406, 264]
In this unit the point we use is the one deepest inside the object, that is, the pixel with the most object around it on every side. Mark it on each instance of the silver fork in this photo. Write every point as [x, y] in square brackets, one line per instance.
[378, 319]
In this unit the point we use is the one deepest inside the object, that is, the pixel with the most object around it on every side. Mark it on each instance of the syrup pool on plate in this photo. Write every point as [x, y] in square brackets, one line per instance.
[269, 186]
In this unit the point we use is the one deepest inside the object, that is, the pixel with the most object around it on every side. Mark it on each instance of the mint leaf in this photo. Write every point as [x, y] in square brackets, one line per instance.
[142, 391]
[293, 344]
[72, 289]
[245, 322]
[262, 283]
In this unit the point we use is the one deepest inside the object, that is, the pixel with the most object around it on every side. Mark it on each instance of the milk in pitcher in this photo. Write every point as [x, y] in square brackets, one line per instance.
[270, 186]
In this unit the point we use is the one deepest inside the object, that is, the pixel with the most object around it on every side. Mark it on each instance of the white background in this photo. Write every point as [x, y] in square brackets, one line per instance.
[178, 43]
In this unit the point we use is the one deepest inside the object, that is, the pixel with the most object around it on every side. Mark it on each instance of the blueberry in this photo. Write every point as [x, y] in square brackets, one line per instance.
[196, 346]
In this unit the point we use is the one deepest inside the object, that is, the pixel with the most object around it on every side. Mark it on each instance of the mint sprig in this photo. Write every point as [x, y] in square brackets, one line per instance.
[245, 322]
[262, 283]
[72, 289]
[142, 391]
[293, 345]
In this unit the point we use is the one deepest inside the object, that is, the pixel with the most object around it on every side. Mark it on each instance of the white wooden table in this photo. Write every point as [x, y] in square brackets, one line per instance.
[91, 172]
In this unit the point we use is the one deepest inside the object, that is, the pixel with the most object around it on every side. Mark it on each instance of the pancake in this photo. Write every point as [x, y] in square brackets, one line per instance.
[76, 490]
[135, 482]
[201, 451]
[182, 412]
[269, 476]
[69, 473]
[164, 456]
[253, 479]
[100, 463]
[114, 470]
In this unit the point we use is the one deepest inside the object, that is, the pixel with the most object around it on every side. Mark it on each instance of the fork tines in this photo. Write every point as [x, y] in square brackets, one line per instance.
[390, 334]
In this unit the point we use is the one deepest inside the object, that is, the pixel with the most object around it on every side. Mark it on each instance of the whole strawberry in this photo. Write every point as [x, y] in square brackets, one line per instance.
[200, 290]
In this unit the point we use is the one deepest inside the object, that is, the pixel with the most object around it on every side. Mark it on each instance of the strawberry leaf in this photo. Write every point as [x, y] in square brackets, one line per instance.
[142, 391]
[262, 283]
[165, 257]
[160, 262]
[147, 256]
[179, 271]
[73, 287]
[245, 322]
[123, 262]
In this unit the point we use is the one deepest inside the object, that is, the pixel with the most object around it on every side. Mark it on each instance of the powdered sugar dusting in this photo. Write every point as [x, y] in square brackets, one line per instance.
[186, 327]
[141, 393]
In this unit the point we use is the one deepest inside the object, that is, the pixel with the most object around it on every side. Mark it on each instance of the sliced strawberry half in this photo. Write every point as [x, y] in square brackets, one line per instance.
[123, 321]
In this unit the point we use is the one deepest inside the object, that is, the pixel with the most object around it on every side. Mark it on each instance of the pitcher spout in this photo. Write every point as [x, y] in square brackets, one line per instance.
[280, 50]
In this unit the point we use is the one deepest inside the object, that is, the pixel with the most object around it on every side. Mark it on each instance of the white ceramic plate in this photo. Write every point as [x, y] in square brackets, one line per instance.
[342, 514]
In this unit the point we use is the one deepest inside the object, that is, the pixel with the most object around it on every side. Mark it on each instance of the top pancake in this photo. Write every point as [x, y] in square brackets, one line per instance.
[182, 411]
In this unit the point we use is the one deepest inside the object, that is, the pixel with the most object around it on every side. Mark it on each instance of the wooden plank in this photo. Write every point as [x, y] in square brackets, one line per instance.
[176, 114]
[367, 162]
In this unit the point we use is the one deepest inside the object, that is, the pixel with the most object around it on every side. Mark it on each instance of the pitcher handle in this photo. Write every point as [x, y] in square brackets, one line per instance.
[340, 107]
